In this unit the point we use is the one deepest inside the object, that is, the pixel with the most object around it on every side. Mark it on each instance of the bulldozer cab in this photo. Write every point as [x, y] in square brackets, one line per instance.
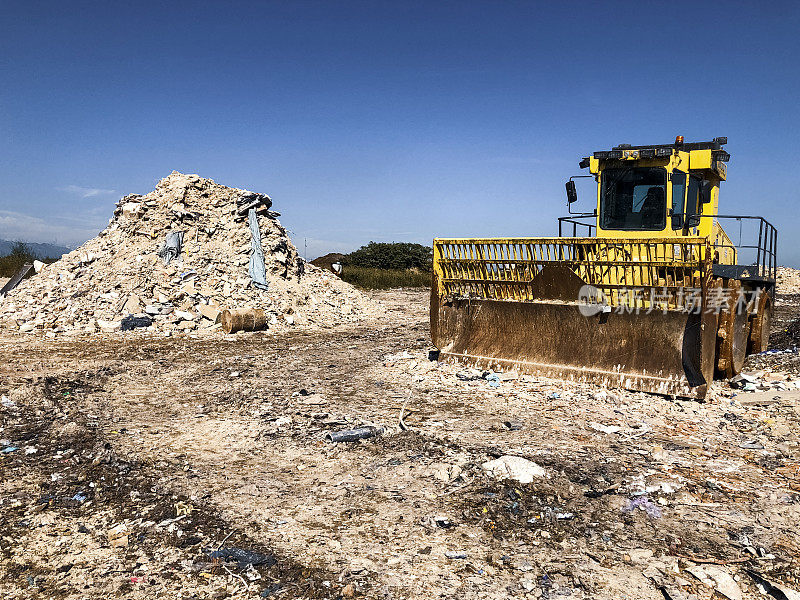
[657, 297]
[656, 196]
[658, 191]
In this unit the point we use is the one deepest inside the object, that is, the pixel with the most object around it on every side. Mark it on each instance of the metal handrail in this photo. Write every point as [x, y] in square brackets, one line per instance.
[575, 220]
[766, 248]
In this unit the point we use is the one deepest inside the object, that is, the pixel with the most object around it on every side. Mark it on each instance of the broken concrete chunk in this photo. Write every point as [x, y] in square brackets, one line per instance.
[717, 578]
[132, 209]
[133, 305]
[514, 467]
[209, 311]
[108, 325]
[445, 472]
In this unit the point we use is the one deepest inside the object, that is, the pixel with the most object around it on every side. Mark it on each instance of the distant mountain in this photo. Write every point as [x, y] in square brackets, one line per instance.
[40, 250]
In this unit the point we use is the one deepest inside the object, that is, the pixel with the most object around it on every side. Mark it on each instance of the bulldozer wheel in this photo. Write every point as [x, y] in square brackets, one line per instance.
[760, 324]
[733, 332]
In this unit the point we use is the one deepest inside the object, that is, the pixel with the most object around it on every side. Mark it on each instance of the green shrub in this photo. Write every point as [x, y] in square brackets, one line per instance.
[20, 254]
[394, 255]
[382, 279]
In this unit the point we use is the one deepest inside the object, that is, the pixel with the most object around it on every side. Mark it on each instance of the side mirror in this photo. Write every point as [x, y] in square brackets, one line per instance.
[693, 221]
[677, 221]
[572, 193]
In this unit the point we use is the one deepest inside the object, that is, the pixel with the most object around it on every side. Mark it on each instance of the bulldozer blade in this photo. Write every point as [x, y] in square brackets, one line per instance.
[621, 313]
[665, 352]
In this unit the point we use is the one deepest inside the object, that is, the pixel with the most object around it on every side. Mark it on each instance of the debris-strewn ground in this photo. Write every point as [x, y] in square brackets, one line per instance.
[125, 463]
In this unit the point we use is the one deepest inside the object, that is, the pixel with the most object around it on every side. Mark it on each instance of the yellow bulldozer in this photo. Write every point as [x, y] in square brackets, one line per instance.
[655, 298]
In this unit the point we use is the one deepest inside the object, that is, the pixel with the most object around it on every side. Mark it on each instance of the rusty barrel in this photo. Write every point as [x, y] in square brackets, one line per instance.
[243, 319]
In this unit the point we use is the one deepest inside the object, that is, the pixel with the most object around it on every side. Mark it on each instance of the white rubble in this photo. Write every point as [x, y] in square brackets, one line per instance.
[120, 272]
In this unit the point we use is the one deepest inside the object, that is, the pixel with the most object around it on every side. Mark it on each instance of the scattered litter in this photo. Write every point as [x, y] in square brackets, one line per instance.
[436, 522]
[171, 248]
[9, 450]
[752, 445]
[643, 503]
[132, 322]
[513, 425]
[455, 554]
[243, 558]
[471, 375]
[493, 379]
[352, 435]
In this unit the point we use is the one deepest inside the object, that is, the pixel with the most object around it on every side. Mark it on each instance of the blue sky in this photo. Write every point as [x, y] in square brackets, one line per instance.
[385, 121]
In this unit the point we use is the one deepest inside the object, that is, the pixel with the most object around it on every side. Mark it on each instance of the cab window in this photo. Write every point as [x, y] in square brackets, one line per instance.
[693, 198]
[678, 194]
[633, 198]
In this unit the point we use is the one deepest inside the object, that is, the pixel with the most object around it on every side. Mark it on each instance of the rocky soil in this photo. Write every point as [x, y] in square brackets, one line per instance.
[198, 467]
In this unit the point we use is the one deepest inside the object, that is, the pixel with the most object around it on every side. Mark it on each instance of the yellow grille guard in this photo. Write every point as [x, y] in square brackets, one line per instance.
[631, 313]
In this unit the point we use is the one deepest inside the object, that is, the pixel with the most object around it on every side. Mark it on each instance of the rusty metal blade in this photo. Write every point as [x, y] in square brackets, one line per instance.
[666, 352]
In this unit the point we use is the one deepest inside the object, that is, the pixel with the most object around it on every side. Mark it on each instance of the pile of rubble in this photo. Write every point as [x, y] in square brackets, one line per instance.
[173, 259]
[788, 280]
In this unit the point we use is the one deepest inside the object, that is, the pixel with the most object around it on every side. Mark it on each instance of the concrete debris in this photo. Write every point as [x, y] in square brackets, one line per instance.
[787, 280]
[514, 467]
[181, 255]
[717, 578]
[446, 473]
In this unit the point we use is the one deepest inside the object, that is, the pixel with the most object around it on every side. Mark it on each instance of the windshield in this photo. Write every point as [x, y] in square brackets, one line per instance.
[633, 198]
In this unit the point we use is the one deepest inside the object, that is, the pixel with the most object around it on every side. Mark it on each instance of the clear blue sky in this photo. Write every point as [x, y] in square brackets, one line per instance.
[385, 120]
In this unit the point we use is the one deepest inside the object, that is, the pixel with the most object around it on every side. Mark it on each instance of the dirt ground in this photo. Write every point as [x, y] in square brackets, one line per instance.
[191, 467]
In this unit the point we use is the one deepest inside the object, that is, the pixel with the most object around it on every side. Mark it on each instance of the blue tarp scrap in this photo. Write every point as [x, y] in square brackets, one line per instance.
[257, 271]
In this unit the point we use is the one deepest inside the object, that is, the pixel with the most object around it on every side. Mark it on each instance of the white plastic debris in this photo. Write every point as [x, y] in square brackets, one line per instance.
[604, 428]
